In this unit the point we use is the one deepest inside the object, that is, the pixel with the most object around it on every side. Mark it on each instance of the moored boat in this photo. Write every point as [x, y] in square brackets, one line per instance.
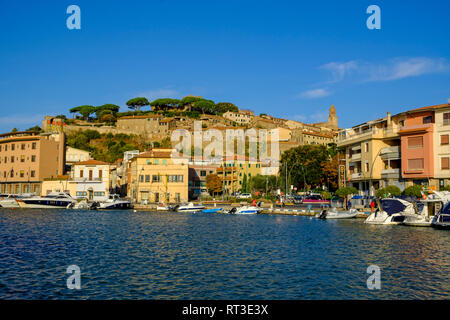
[212, 210]
[391, 211]
[54, 200]
[427, 208]
[442, 219]
[114, 202]
[335, 214]
[190, 207]
[247, 210]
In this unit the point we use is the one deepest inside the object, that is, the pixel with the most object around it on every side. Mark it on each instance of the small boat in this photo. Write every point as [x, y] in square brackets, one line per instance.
[247, 210]
[10, 200]
[114, 202]
[391, 211]
[442, 219]
[427, 208]
[190, 207]
[335, 214]
[54, 200]
[162, 207]
[212, 210]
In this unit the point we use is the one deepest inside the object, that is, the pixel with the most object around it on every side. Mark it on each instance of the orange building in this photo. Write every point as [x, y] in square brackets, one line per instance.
[27, 158]
[417, 146]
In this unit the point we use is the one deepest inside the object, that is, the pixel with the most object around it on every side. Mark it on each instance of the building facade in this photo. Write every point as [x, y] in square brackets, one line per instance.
[27, 158]
[92, 180]
[156, 177]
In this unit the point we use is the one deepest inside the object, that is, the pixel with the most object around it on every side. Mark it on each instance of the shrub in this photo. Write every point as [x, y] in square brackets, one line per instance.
[389, 191]
[413, 191]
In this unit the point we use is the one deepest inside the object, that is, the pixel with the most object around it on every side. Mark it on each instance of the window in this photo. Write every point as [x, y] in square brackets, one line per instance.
[33, 145]
[6, 147]
[165, 162]
[367, 166]
[13, 147]
[147, 178]
[428, 119]
[415, 164]
[12, 158]
[22, 158]
[367, 147]
[156, 197]
[6, 159]
[99, 193]
[33, 173]
[22, 146]
[81, 193]
[33, 158]
[12, 173]
[81, 173]
[141, 178]
[202, 173]
[445, 163]
[22, 174]
[100, 174]
[446, 119]
[156, 161]
[415, 142]
[156, 178]
[444, 139]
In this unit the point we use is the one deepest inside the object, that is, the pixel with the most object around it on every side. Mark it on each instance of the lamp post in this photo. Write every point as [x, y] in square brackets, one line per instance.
[371, 169]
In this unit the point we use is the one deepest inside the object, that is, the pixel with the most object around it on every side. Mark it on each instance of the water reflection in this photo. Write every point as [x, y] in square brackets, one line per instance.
[142, 255]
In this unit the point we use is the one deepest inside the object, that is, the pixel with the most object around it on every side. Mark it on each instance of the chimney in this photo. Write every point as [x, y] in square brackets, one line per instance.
[388, 119]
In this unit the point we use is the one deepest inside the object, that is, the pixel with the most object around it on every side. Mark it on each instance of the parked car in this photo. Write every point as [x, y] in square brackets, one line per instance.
[244, 196]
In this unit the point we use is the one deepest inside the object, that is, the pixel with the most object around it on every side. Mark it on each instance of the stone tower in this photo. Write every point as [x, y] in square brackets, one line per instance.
[333, 119]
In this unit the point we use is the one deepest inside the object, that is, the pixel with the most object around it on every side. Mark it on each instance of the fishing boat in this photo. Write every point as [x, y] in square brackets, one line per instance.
[391, 211]
[427, 208]
[114, 202]
[54, 200]
[190, 207]
[335, 214]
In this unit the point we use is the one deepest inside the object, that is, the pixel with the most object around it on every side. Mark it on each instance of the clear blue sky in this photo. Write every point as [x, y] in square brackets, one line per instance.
[291, 59]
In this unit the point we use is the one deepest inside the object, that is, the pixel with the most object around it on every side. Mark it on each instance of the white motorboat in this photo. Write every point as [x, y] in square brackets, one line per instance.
[442, 219]
[54, 200]
[391, 211]
[335, 214]
[247, 210]
[190, 207]
[162, 207]
[427, 208]
[114, 202]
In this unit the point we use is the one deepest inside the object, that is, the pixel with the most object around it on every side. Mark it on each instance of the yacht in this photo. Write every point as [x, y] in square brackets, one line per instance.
[391, 211]
[335, 214]
[114, 202]
[442, 219]
[427, 208]
[162, 207]
[190, 207]
[54, 200]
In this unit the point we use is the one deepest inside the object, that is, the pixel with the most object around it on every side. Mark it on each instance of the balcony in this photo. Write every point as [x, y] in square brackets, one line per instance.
[356, 157]
[78, 179]
[356, 175]
[390, 153]
[390, 173]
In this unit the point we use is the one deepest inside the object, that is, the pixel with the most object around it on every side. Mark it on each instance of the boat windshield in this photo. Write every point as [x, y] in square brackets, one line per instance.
[392, 206]
[446, 209]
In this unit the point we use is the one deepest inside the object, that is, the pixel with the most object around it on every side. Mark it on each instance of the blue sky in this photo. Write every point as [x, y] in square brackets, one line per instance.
[292, 59]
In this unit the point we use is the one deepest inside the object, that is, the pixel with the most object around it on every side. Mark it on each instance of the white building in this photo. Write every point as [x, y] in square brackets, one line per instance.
[92, 178]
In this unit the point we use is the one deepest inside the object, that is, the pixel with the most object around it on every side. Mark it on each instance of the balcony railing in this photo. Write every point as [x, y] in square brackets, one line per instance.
[355, 175]
[390, 173]
[78, 179]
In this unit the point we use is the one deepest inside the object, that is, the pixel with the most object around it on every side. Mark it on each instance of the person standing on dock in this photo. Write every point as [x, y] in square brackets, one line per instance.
[372, 205]
[254, 202]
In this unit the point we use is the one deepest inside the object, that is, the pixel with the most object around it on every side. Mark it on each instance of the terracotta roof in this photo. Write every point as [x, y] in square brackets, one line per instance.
[155, 154]
[91, 162]
[437, 106]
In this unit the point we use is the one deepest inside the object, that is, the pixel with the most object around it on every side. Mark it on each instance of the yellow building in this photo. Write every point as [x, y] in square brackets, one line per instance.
[157, 177]
[58, 184]
[233, 170]
[372, 153]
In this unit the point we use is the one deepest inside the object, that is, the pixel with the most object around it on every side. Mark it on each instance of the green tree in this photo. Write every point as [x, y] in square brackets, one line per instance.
[36, 129]
[223, 107]
[164, 104]
[204, 106]
[14, 130]
[137, 103]
[389, 191]
[213, 183]
[86, 111]
[413, 191]
[344, 192]
[244, 184]
[75, 110]
[188, 101]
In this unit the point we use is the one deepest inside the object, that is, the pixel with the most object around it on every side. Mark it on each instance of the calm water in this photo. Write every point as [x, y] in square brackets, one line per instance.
[142, 255]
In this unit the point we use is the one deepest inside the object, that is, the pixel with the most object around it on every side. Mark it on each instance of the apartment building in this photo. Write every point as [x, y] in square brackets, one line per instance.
[239, 118]
[233, 170]
[410, 148]
[27, 158]
[155, 176]
[197, 177]
[372, 153]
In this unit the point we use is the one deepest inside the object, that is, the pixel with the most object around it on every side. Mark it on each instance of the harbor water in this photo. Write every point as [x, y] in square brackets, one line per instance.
[153, 255]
